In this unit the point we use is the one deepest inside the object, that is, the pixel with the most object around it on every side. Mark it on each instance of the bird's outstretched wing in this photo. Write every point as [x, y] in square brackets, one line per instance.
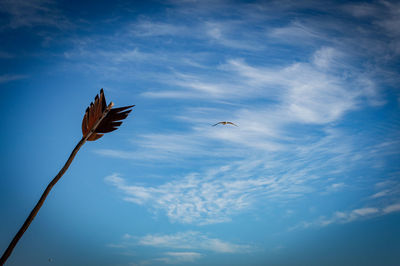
[217, 124]
[224, 123]
[232, 123]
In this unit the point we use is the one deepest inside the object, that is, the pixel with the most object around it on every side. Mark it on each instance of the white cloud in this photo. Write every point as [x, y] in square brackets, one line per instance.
[384, 13]
[218, 194]
[116, 153]
[380, 194]
[327, 57]
[167, 147]
[209, 31]
[120, 57]
[341, 217]
[363, 212]
[219, 32]
[195, 199]
[296, 33]
[191, 240]
[189, 86]
[336, 186]
[385, 18]
[309, 92]
[265, 98]
[182, 246]
[179, 257]
[148, 28]
[291, 167]
[388, 189]
[392, 208]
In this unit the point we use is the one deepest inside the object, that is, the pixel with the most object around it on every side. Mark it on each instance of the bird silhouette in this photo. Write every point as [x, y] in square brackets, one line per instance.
[224, 123]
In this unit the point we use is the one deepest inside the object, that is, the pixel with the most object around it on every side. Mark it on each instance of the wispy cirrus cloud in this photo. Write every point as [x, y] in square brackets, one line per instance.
[308, 93]
[303, 94]
[179, 257]
[187, 246]
[388, 189]
[342, 217]
[192, 200]
[290, 142]
[391, 208]
[222, 34]
[171, 258]
[385, 14]
[296, 32]
[122, 51]
[256, 176]
[218, 194]
[385, 23]
[313, 91]
[213, 197]
[335, 187]
[192, 240]
[149, 28]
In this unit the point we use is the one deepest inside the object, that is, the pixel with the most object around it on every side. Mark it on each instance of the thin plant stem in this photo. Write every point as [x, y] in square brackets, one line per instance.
[39, 204]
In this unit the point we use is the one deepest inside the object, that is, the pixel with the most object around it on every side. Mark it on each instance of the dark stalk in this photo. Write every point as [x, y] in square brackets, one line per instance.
[39, 204]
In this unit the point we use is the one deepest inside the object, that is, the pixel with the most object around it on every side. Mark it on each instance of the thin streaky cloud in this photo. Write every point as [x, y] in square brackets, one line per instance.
[309, 91]
[342, 217]
[180, 257]
[182, 246]
[191, 240]
[218, 32]
[388, 189]
[147, 28]
[296, 31]
[392, 208]
[380, 194]
[311, 96]
[219, 194]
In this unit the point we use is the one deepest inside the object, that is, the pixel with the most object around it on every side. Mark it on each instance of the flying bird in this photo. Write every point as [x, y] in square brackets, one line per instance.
[224, 123]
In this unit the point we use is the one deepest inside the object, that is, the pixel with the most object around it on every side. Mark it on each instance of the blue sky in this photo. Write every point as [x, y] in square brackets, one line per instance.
[311, 175]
